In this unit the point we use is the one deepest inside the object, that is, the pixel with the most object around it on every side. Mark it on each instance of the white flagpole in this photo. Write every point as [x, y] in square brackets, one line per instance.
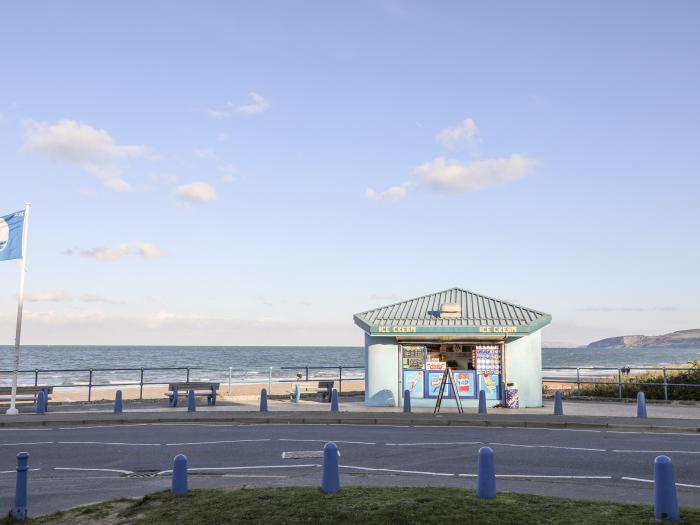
[22, 268]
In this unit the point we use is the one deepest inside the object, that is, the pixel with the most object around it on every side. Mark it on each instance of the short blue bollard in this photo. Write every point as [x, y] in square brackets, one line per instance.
[485, 474]
[334, 401]
[330, 483]
[40, 404]
[46, 399]
[118, 405]
[179, 483]
[482, 402]
[641, 405]
[173, 401]
[558, 404]
[191, 402]
[19, 509]
[665, 497]
[263, 400]
[297, 393]
[407, 401]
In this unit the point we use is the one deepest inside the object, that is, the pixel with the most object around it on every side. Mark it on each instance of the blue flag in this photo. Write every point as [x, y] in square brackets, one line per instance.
[11, 227]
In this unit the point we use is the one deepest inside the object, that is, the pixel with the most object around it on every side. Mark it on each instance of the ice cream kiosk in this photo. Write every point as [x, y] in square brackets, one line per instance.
[487, 343]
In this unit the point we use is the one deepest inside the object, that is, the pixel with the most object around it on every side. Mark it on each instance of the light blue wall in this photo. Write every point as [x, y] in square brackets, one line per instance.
[381, 371]
[523, 362]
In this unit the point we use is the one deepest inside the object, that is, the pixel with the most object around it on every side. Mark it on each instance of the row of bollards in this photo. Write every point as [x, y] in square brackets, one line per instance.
[559, 405]
[665, 496]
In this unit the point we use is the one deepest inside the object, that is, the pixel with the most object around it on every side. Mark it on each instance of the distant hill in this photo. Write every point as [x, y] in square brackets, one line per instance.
[680, 339]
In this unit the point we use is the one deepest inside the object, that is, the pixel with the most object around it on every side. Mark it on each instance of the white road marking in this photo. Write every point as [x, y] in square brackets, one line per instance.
[43, 429]
[654, 433]
[14, 471]
[23, 444]
[547, 446]
[251, 476]
[550, 477]
[108, 443]
[95, 470]
[116, 425]
[303, 454]
[327, 441]
[550, 429]
[253, 467]
[658, 451]
[446, 474]
[216, 442]
[434, 443]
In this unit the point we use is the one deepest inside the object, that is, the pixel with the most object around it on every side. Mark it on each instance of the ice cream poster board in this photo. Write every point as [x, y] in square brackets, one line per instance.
[465, 383]
[434, 379]
[413, 382]
[491, 385]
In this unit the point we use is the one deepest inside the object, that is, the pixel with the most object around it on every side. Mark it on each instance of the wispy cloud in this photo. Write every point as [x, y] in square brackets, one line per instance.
[195, 192]
[145, 250]
[394, 193]
[257, 104]
[92, 150]
[464, 134]
[62, 296]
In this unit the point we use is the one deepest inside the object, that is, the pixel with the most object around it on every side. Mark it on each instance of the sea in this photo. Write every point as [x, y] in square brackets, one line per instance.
[70, 365]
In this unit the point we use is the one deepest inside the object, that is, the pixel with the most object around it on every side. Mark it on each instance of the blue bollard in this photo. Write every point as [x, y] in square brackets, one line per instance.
[334, 401]
[665, 497]
[482, 402]
[173, 402]
[40, 404]
[330, 483]
[485, 474]
[263, 400]
[407, 401]
[641, 405]
[297, 393]
[46, 399]
[191, 402]
[179, 483]
[118, 405]
[558, 404]
[19, 509]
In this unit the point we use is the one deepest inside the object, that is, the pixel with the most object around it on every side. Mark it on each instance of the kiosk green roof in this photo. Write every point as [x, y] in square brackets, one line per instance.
[451, 312]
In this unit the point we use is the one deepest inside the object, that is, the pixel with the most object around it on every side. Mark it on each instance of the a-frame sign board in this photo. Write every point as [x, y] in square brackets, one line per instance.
[448, 375]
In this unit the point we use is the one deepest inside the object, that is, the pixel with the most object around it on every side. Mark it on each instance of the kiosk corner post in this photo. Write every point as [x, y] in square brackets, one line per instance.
[641, 405]
[40, 404]
[118, 405]
[485, 474]
[558, 404]
[19, 509]
[482, 402]
[191, 402]
[334, 401]
[263, 400]
[330, 482]
[179, 482]
[665, 497]
[407, 401]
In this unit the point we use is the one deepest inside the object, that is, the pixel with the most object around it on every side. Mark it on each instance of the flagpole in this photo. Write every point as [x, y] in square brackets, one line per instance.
[20, 303]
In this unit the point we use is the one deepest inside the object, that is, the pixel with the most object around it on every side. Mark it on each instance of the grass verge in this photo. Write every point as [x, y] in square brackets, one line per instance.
[353, 505]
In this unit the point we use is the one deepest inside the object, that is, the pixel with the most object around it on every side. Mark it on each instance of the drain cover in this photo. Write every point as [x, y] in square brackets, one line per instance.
[148, 474]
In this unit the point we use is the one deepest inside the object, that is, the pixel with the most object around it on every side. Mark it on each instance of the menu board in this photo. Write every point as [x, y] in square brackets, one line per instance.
[413, 356]
[487, 359]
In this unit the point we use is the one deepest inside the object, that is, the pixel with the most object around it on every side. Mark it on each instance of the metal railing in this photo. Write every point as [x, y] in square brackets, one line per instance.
[619, 376]
[303, 374]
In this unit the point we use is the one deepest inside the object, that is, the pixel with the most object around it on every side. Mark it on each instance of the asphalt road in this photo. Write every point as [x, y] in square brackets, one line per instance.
[77, 465]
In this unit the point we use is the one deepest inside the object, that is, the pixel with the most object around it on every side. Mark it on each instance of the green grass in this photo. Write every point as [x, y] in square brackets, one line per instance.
[377, 505]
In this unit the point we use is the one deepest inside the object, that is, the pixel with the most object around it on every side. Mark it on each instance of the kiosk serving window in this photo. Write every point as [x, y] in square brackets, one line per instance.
[476, 366]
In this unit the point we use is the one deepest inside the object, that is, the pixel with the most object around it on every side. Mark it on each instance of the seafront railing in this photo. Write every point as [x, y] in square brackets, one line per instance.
[627, 378]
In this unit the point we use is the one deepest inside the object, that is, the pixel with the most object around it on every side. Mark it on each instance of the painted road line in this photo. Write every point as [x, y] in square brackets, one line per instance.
[303, 454]
[443, 474]
[550, 429]
[108, 443]
[23, 444]
[14, 471]
[657, 451]
[437, 443]
[544, 476]
[116, 425]
[252, 476]
[217, 442]
[95, 470]
[253, 467]
[547, 446]
[327, 440]
[653, 433]
[687, 485]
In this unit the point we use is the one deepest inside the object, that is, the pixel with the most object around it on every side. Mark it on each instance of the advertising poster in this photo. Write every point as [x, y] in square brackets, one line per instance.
[434, 379]
[465, 383]
[413, 382]
[490, 383]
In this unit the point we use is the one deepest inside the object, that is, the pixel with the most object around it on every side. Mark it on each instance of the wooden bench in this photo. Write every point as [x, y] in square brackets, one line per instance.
[200, 388]
[322, 387]
[25, 394]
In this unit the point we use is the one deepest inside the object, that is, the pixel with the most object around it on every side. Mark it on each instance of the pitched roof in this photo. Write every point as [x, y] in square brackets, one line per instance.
[479, 314]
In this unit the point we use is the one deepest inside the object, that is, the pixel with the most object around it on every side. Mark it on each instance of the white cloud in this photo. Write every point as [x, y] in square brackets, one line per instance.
[463, 134]
[258, 104]
[62, 296]
[394, 193]
[455, 176]
[228, 173]
[195, 192]
[141, 249]
[91, 149]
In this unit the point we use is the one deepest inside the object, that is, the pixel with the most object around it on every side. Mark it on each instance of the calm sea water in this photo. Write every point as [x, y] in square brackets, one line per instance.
[253, 363]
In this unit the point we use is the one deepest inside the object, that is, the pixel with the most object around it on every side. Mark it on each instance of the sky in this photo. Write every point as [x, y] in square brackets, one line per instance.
[242, 173]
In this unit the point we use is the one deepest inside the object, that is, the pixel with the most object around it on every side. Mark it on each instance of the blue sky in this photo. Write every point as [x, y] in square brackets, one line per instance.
[231, 173]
